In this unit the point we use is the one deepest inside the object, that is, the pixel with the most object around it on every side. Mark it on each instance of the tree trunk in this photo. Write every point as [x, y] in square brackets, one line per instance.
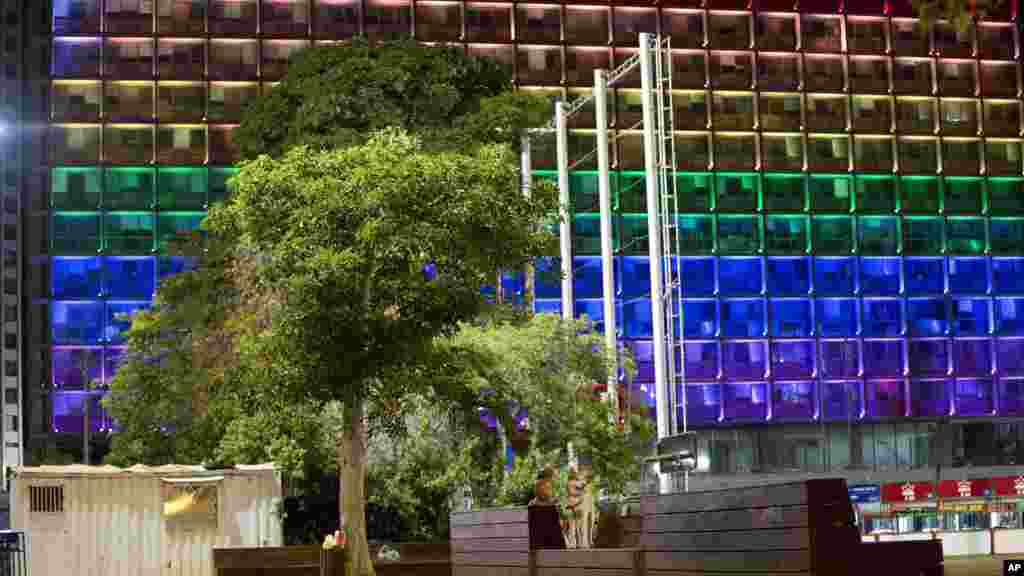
[352, 488]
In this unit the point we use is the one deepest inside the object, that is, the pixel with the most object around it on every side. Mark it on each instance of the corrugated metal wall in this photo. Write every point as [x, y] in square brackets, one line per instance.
[112, 525]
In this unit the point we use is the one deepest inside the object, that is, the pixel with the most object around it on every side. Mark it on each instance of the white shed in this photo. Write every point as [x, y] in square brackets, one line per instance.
[107, 521]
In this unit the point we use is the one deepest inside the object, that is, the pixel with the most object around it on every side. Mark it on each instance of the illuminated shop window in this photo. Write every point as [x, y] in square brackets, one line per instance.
[74, 143]
[912, 75]
[821, 33]
[784, 193]
[828, 153]
[128, 232]
[688, 70]
[692, 150]
[233, 16]
[776, 32]
[953, 42]
[691, 109]
[181, 58]
[74, 367]
[1002, 117]
[826, 112]
[234, 59]
[922, 235]
[918, 154]
[181, 101]
[181, 144]
[917, 114]
[630, 195]
[128, 143]
[285, 17]
[75, 58]
[779, 112]
[872, 114]
[999, 79]
[1006, 196]
[339, 18]
[731, 70]
[840, 359]
[957, 77]
[76, 278]
[75, 188]
[75, 233]
[587, 25]
[778, 72]
[963, 195]
[685, 27]
[878, 235]
[782, 151]
[729, 31]
[129, 188]
[75, 100]
[76, 16]
[909, 37]
[696, 234]
[539, 64]
[873, 153]
[832, 235]
[830, 193]
[129, 101]
[128, 17]
[181, 16]
[869, 74]
[630, 22]
[733, 111]
[539, 23]
[128, 57]
[866, 34]
[996, 41]
[744, 402]
[1002, 156]
[876, 194]
[693, 191]
[182, 188]
[961, 155]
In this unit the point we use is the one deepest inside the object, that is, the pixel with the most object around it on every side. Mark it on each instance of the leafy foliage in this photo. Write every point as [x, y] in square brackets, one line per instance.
[958, 12]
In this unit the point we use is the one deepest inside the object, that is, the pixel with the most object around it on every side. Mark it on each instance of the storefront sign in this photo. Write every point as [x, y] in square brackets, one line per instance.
[1009, 486]
[863, 493]
[977, 488]
[907, 492]
[947, 506]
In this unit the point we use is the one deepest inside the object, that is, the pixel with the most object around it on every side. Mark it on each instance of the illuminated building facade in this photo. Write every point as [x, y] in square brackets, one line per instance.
[852, 202]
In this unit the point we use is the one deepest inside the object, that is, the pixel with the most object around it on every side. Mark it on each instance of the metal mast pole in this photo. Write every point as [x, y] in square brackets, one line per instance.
[654, 241]
[565, 226]
[607, 264]
[526, 174]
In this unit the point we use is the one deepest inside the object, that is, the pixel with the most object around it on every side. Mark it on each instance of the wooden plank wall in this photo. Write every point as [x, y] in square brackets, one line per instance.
[492, 542]
[283, 561]
[758, 530]
[416, 560]
[593, 562]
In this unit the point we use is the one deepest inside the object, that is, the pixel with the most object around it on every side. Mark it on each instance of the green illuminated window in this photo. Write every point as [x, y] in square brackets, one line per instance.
[786, 234]
[181, 188]
[736, 192]
[833, 234]
[696, 235]
[1006, 196]
[782, 151]
[74, 144]
[219, 183]
[173, 226]
[965, 235]
[583, 190]
[784, 193]
[830, 193]
[734, 152]
[76, 233]
[631, 192]
[919, 195]
[694, 192]
[128, 144]
[963, 195]
[634, 235]
[876, 194]
[75, 188]
[1007, 235]
[918, 154]
[129, 189]
[128, 232]
[922, 235]
[878, 235]
[739, 234]
[586, 234]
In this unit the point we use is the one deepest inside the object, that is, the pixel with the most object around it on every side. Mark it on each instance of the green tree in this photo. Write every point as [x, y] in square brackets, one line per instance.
[959, 12]
[341, 241]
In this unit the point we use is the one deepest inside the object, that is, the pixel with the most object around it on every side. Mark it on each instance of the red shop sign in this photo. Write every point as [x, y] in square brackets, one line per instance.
[907, 492]
[978, 488]
[1009, 486]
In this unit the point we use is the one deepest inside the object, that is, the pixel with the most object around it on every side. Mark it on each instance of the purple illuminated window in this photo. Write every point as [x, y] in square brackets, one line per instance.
[840, 400]
[840, 359]
[793, 359]
[972, 358]
[793, 401]
[929, 398]
[744, 360]
[636, 319]
[883, 358]
[701, 360]
[72, 366]
[69, 414]
[703, 404]
[1011, 396]
[884, 399]
[928, 358]
[635, 279]
[745, 402]
[643, 355]
[587, 274]
[1010, 356]
[112, 359]
[973, 397]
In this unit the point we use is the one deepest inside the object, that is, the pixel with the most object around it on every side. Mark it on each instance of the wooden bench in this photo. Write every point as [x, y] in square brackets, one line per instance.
[500, 541]
[805, 528]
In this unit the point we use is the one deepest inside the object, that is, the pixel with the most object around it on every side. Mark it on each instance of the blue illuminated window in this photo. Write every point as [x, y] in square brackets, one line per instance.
[587, 277]
[1010, 356]
[701, 360]
[547, 306]
[1011, 396]
[834, 276]
[880, 276]
[929, 398]
[840, 400]
[970, 317]
[75, 278]
[882, 317]
[972, 357]
[746, 402]
[973, 397]
[636, 319]
[76, 322]
[878, 235]
[128, 277]
[742, 318]
[703, 404]
[837, 317]
[793, 400]
[593, 309]
[118, 319]
[547, 278]
[69, 412]
[1010, 316]
[968, 275]
[635, 281]
[927, 317]
[883, 358]
[739, 276]
[744, 360]
[925, 275]
[789, 276]
[928, 358]
[791, 318]
[698, 276]
[72, 367]
[840, 359]
[700, 318]
[884, 399]
[1008, 275]
[793, 359]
